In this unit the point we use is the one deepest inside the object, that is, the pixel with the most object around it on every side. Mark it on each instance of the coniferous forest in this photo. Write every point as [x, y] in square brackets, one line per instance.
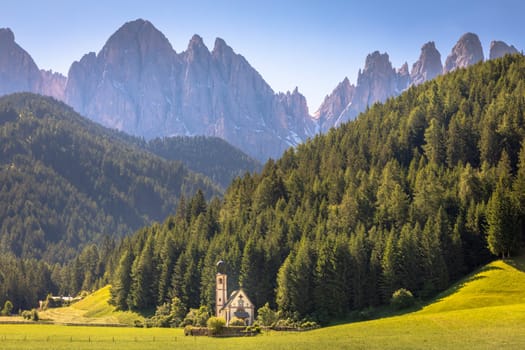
[414, 193]
[70, 189]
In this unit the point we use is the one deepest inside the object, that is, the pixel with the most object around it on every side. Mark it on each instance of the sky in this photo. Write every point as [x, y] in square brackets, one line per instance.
[309, 44]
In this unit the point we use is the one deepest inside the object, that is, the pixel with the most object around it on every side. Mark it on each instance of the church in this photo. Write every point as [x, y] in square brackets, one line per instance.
[237, 305]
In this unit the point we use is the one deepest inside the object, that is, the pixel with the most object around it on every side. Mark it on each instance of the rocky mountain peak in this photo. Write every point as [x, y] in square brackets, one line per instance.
[466, 52]
[403, 70]
[377, 62]
[18, 71]
[221, 48]
[52, 84]
[295, 103]
[6, 36]
[403, 78]
[196, 42]
[377, 81]
[140, 36]
[196, 50]
[428, 66]
[500, 49]
[334, 105]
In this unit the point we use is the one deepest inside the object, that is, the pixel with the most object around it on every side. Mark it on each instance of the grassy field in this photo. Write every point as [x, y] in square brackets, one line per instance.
[484, 311]
[94, 309]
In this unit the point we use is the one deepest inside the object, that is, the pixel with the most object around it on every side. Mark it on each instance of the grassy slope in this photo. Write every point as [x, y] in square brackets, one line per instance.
[94, 309]
[484, 311]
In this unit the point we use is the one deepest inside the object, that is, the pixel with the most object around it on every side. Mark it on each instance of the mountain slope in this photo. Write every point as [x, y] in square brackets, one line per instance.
[67, 181]
[211, 156]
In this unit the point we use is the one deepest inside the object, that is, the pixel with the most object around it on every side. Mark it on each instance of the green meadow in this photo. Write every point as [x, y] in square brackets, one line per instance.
[484, 311]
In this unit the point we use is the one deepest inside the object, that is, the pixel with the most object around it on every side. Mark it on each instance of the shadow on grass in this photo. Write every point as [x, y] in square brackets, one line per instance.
[388, 311]
[474, 276]
[518, 263]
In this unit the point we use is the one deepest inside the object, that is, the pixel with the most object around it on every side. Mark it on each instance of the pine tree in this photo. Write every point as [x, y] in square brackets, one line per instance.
[503, 235]
[122, 283]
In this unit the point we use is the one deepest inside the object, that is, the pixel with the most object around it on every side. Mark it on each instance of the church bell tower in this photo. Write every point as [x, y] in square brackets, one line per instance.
[221, 288]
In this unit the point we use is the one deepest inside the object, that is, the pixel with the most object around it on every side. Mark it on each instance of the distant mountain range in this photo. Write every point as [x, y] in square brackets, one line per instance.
[138, 84]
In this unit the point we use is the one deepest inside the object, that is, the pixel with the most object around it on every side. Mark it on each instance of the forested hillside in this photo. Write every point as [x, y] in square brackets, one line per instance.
[66, 181]
[211, 156]
[412, 194]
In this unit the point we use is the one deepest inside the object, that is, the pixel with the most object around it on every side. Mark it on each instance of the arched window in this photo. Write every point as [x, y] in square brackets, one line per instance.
[220, 280]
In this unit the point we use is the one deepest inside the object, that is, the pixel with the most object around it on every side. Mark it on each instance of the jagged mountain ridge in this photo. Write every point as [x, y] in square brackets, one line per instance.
[157, 92]
[379, 80]
[137, 83]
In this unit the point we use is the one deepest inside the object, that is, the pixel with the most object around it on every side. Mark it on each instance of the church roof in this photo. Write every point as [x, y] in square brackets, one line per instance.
[234, 295]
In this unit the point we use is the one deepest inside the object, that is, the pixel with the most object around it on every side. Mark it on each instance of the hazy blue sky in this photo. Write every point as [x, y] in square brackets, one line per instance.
[310, 44]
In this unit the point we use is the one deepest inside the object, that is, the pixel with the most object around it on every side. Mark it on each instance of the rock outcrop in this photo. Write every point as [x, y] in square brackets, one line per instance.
[375, 83]
[466, 52]
[18, 71]
[499, 49]
[129, 85]
[334, 105]
[52, 84]
[402, 78]
[428, 66]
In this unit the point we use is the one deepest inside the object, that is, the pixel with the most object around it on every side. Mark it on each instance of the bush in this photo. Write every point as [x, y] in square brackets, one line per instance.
[26, 314]
[286, 323]
[402, 299]
[197, 317]
[8, 307]
[216, 324]
[236, 322]
[168, 314]
[266, 316]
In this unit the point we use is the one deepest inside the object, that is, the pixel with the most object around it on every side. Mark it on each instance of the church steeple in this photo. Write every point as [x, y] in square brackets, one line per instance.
[221, 288]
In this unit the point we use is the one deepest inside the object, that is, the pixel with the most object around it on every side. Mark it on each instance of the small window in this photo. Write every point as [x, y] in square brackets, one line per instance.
[220, 300]
[220, 280]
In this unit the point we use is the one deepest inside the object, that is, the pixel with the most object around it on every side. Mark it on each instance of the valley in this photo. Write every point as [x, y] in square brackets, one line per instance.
[164, 195]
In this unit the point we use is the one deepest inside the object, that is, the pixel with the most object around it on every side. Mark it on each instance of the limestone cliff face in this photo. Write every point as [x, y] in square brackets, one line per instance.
[18, 71]
[428, 66]
[375, 83]
[499, 49]
[334, 105]
[137, 83]
[466, 52]
[129, 84]
[52, 84]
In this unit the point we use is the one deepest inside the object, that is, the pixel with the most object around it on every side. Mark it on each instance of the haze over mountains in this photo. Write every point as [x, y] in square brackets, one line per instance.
[137, 83]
